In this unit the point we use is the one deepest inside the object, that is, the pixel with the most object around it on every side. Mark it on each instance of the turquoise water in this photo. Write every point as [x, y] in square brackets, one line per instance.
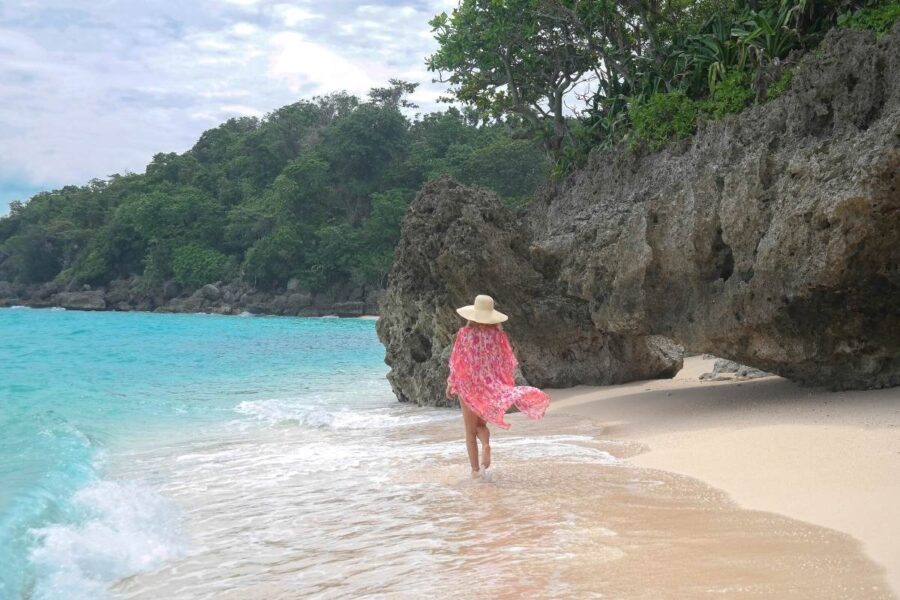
[147, 456]
[80, 390]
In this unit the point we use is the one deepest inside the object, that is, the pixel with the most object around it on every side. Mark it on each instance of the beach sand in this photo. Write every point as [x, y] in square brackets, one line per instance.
[828, 458]
[648, 490]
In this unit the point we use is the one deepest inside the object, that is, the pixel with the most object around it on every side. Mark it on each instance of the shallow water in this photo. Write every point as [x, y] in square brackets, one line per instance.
[217, 457]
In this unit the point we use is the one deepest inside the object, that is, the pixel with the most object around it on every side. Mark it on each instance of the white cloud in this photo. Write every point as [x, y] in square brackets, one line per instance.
[99, 89]
[244, 29]
[298, 63]
[239, 110]
[243, 3]
[292, 15]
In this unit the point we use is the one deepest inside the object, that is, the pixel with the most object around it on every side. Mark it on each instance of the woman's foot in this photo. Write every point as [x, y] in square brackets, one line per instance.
[486, 456]
[476, 474]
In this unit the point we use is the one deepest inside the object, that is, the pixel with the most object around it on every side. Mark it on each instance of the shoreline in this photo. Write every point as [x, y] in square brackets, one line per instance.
[234, 298]
[827, 458]
[323, 315]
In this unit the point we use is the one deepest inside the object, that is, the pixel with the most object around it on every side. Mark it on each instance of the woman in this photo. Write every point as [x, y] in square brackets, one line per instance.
[481, 375]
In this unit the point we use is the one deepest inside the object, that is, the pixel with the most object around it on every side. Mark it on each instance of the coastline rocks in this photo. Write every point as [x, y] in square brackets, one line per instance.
[209, 292]
[459, 241]
[229, 298]
[89, 300]
[353, 308]
[171, 289]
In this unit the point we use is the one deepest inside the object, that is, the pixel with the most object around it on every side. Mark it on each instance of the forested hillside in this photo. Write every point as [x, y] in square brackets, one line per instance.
[314, 191]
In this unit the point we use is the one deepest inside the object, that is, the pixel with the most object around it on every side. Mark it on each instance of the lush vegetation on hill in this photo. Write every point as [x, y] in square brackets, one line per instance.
[315, 190]
[653, 67]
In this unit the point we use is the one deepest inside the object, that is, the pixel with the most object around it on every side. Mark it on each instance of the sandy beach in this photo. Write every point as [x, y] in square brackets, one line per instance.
[828, 458]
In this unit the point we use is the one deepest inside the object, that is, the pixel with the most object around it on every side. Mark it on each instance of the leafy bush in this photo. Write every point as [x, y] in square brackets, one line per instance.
[661, 118]
[731, 96]
[780, 86]
[195, 265]
[879, 18]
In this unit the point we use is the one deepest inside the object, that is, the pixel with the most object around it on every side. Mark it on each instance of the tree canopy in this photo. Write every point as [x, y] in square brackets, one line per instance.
[315, 191]
[575, 74]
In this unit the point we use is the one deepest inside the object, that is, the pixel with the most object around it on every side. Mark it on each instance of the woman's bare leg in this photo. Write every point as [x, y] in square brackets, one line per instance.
[470, 420]
[484, 434]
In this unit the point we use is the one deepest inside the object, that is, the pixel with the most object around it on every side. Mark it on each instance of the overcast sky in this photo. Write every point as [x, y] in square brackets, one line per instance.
[96, 87]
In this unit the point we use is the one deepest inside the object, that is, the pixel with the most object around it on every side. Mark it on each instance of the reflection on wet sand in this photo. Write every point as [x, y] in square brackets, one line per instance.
[393, 514]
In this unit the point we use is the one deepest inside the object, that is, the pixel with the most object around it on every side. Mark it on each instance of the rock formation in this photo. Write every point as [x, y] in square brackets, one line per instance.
[726, 370]
[771, 238]
[88, 300]
[459, 241]
[221, 298]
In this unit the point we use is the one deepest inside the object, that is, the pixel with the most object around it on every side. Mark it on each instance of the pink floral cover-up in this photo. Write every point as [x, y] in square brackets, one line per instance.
[481, 374]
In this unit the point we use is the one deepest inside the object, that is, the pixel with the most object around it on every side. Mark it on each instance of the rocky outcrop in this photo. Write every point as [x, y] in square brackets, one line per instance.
[771, 238]
[726, 370]
[88, 300]
[458, 242]
[221, 298]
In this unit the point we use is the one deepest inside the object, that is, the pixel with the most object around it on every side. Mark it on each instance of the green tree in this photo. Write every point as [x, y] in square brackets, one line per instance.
[195, 265]
[515, 59]
[314, 190]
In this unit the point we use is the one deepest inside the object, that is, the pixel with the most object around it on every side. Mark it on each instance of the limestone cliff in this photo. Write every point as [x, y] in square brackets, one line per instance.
[771, 238]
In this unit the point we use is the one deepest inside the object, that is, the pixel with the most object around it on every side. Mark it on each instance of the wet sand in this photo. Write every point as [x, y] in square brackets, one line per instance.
[826, 458]
[292, 513]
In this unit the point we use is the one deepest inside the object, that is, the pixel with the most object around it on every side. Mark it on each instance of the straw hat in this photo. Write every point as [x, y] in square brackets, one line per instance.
[482, 311]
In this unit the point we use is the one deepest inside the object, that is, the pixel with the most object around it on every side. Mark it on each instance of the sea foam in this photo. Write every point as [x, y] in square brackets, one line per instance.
[126, 528]
[301, 412]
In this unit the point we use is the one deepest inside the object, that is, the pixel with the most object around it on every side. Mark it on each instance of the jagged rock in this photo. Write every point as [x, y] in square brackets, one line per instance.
[145, 304]
[119, 291]
[210, 292]
[725, 369]
[298, 300]
[723, 365]
[771, 237]
[88, 300]
[171, 289]
[353, 308]
[458, 242]
[6, 290]
[324, 299]
[293, 285]
[46, 290]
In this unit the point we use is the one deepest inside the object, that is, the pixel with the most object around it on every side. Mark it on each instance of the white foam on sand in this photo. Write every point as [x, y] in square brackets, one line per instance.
[127, 528]
[277, 411]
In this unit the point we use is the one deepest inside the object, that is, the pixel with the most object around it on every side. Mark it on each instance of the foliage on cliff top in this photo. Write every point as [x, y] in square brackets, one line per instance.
[580, 75]
[315, 190]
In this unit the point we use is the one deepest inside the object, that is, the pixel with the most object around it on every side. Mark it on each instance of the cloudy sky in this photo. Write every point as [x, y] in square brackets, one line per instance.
[94, 87]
